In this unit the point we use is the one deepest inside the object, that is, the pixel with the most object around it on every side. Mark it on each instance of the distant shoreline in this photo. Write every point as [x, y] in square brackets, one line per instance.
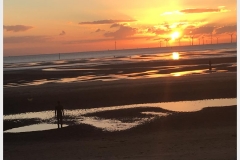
[159, 49]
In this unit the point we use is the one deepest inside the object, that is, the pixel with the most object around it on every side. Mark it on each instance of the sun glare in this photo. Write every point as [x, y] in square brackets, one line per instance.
[175, 35]
[175, 55]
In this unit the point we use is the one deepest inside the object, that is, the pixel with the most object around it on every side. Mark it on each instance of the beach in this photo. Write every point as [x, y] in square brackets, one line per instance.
[190, 140]
[209, 133]
[116, 80]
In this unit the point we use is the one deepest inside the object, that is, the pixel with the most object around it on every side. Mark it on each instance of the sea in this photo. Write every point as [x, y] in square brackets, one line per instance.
[119, 56]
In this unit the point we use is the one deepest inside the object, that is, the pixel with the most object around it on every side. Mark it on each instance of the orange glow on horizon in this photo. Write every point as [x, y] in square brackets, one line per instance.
[139, 24]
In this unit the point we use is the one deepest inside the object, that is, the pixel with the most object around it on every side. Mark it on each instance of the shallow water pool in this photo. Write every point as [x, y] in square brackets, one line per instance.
[80, 116]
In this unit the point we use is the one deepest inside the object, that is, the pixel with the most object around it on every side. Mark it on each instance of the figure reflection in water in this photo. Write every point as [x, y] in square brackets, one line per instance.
[59, 113]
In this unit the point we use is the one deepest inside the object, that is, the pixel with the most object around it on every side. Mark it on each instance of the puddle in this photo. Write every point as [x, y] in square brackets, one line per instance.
[78, 116]
[190, 106]
[30, 115]
[113, 125]
[155, 113]
[202, 71]
[34, 127]
[69, 69]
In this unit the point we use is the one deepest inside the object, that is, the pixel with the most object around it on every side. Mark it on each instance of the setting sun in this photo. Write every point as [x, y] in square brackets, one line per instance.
[175, 35]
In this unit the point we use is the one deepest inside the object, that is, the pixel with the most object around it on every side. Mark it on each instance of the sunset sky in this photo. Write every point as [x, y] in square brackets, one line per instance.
[60, 26]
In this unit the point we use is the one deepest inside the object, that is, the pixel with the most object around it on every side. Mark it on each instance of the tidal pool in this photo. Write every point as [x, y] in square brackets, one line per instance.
[34, 127]
[79, 116]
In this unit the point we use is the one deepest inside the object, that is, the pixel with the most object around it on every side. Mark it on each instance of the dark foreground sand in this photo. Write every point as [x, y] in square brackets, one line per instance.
[206, 134]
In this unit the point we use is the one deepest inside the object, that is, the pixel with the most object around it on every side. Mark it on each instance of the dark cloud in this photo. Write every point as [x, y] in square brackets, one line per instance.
[115, 25]
[122, 32]
[166, 26]
[204, 10]
[199, 10]
[62, 33]
[26, 39]
[226, 29]
[17, 28]
[191, 30]
[103, 39]
[110, 21]
[86, 41]
[158, 31]
[163, 28]
[99, 30]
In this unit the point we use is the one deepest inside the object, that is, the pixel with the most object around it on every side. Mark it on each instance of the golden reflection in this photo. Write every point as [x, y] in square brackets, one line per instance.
[188, 72]
[67, 80]
[175, 55]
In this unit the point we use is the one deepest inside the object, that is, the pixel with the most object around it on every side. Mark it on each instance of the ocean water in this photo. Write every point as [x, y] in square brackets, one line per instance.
[113, 53]
[87, 64]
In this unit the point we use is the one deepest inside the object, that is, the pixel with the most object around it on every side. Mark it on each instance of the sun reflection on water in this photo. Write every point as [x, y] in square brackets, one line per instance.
[175, 55]
[201, 71]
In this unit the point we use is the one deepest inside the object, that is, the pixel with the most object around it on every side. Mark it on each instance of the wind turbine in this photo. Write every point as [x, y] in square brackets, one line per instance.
[217, 39]
[231, 36]
[192, 39]
[160, 43]
[203, 39]
[211, 38]
[166, 39]
[179, 44]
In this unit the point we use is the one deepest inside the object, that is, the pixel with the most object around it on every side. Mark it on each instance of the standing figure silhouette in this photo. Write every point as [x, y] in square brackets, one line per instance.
[210, 65]
[59, 113]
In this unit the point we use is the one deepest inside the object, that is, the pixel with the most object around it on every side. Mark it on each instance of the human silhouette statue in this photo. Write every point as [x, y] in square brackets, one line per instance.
[59, 113]
[210, 65]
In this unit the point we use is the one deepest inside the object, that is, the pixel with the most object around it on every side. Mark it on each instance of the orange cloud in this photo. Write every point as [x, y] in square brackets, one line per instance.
[17, 28]
[86, 41]
[210, 29]
[106, 21]
[122, 32]
[226, 29]
[115, 25]
[197, 10]
[81, 41]
[26, 39]
[199, 30]
[157, 31]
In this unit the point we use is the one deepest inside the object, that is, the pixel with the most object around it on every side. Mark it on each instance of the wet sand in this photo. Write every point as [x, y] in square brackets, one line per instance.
[133, 70]
[206, 134]
[89, 94]
[103, 94]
